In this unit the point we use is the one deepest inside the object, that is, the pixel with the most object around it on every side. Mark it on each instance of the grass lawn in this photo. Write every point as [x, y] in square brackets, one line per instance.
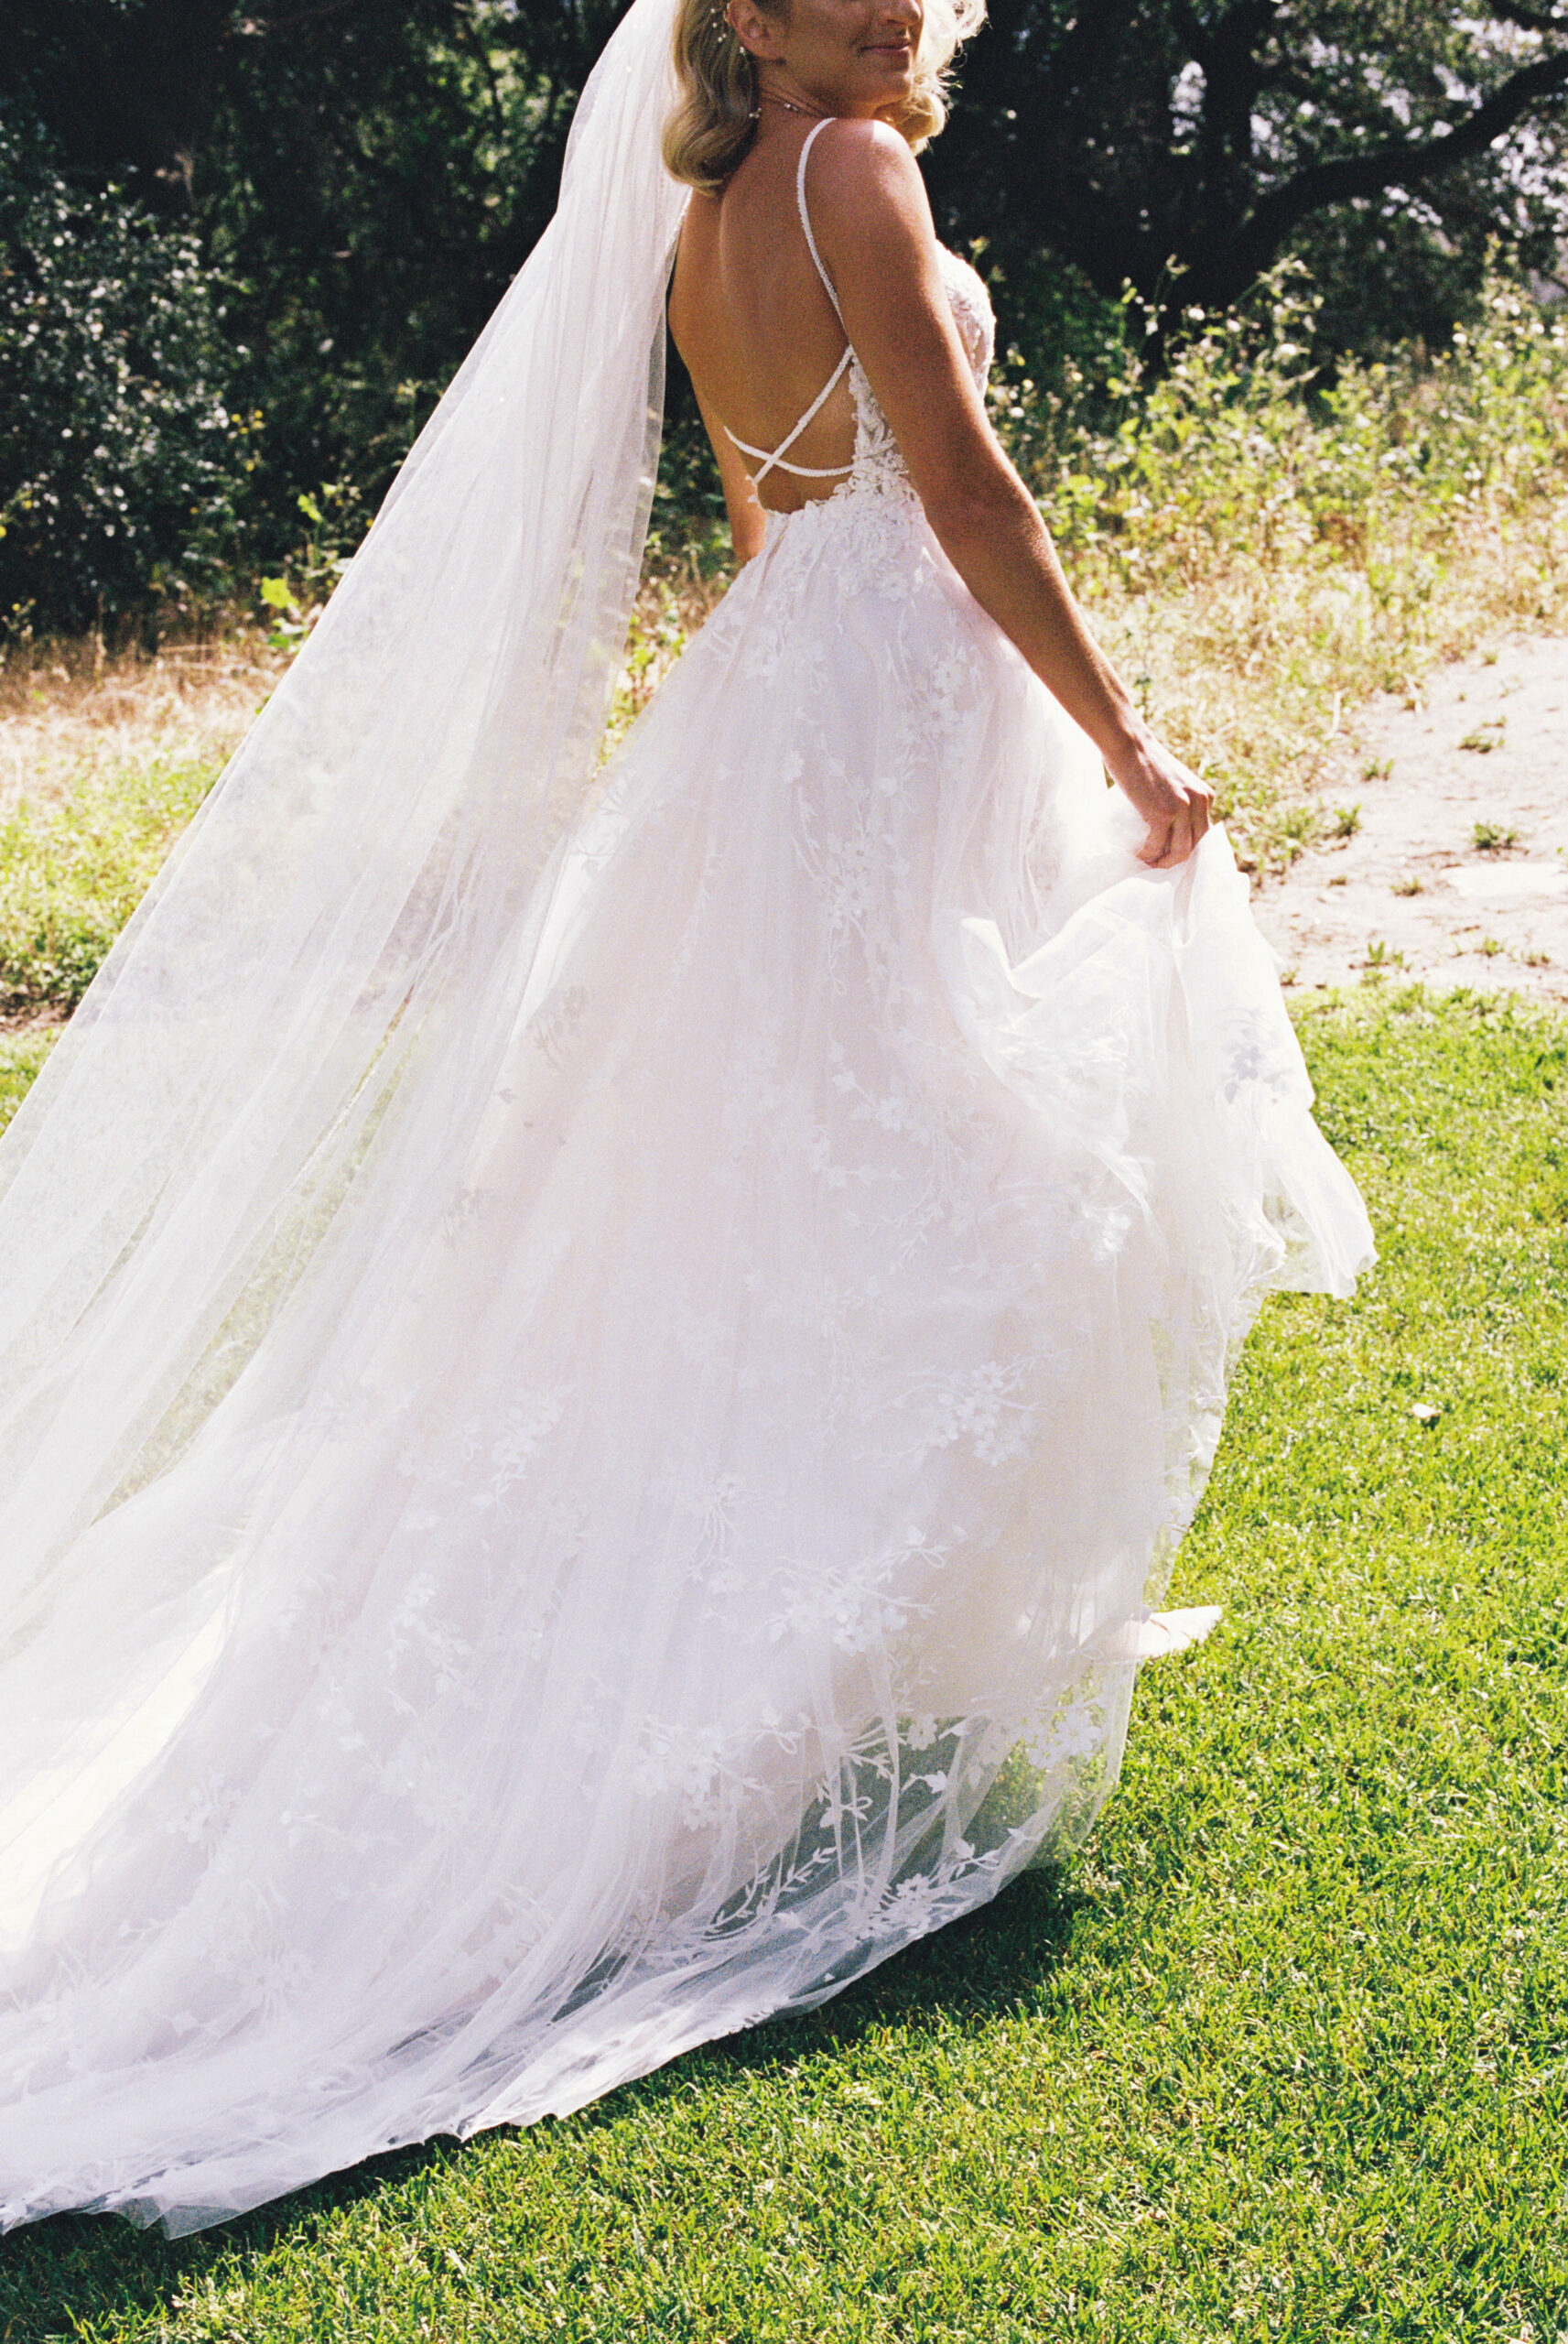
[1284, 2055]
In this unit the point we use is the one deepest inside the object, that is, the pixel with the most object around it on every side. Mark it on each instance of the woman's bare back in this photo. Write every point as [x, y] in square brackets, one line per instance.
[755, 326]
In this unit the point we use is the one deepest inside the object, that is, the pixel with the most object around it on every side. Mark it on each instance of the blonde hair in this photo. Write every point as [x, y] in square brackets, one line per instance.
[715, 121]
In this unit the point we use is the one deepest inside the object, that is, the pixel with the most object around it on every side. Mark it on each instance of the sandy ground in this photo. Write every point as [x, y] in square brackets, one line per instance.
[1412, 890]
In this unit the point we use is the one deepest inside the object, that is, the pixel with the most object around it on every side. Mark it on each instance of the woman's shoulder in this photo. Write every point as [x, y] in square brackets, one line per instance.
[864, 182]
[852, 154]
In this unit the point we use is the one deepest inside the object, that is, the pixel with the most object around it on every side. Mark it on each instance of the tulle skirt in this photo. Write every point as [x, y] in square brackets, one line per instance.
[711, 1553]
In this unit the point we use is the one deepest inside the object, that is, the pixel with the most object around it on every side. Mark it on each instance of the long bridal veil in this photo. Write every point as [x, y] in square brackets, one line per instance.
[311, 997]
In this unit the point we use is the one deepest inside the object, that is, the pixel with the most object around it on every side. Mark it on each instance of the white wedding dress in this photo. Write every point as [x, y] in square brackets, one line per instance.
[701, 1539]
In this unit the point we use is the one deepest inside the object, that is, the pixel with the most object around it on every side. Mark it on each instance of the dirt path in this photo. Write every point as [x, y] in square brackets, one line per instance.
[1412, 890]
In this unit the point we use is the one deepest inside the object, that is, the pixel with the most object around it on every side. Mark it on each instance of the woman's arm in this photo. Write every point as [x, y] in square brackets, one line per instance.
[873, 226]
[747, 519]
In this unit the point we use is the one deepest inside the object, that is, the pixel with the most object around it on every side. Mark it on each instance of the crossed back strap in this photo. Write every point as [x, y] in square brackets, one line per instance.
[774, 459]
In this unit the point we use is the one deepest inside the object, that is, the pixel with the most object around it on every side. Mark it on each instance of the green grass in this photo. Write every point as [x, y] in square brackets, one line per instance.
[21, 1056]
[73, 869]
[1284, 2055]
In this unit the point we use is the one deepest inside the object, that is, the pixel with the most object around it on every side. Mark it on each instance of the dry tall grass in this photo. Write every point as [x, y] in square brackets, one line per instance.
[71, 713]
[1257, 677]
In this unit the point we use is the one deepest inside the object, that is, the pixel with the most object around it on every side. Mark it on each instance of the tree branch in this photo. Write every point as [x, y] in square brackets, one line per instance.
[1402, 165]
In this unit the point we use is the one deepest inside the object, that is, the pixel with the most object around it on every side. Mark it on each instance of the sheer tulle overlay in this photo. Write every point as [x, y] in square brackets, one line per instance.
[677, 1522]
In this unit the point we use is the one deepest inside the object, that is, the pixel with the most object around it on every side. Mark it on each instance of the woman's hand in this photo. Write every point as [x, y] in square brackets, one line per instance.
[1172, 799]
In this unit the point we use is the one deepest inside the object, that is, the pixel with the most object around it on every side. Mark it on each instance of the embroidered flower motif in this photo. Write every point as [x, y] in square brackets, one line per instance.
[205, 1809]
[523, 1427]
[979, 1407]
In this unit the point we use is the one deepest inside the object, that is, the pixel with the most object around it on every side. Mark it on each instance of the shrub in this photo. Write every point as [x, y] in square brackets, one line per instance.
[1240, 451]
[121, 466]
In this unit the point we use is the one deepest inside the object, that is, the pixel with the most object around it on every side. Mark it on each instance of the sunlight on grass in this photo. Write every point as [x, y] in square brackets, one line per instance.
[1284, 2055]
[71, 713]
[73, 870]
[102, 762]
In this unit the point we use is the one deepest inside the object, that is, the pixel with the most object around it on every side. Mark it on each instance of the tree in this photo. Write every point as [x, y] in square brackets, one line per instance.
[119, 453]
[1182, 145]
[365, 177]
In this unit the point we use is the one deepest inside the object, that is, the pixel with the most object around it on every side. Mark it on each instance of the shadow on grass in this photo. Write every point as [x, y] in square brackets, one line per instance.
[78, 2272]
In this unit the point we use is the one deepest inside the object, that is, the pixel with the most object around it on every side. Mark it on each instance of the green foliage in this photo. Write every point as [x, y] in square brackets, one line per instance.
[1396, 272]
[1240, 451]
[334, 523]
[1065, 341]
[1283, 2056]
[259, 238]
[360, 184]
[372, 178]
[120, 465]
[364, 182]
[72, 873]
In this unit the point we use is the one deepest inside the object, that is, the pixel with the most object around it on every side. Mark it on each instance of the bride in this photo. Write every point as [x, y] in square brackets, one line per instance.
[600, 1369]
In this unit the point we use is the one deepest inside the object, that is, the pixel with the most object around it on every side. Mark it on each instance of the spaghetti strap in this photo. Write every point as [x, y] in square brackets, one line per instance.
[811, 137]
[774, 459]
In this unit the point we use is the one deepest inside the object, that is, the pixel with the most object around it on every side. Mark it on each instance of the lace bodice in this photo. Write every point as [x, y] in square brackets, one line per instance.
[879, 468]
[874, 514]
[972, 312]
